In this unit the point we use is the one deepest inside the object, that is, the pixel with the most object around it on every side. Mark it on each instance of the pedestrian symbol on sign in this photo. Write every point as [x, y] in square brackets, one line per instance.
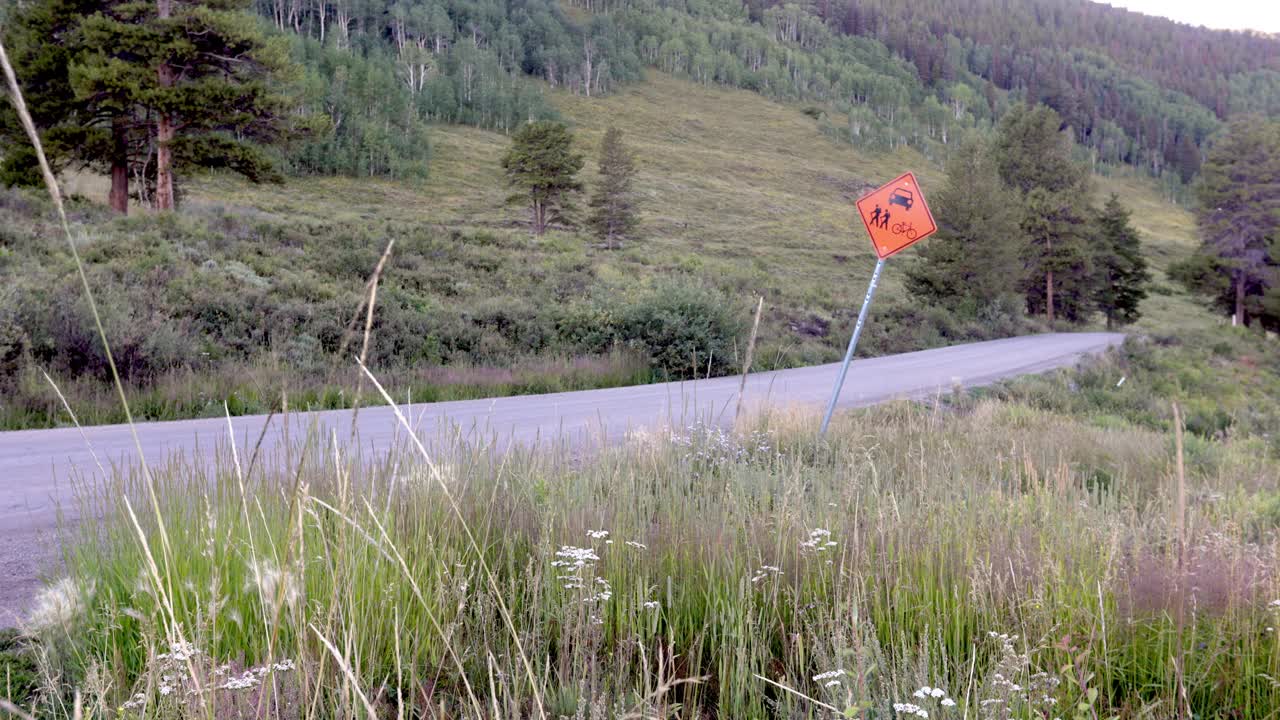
[896, 216]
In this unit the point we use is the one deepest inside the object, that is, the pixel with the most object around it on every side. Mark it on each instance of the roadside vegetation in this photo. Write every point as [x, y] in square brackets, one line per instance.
[1021, 560]
[249, 291]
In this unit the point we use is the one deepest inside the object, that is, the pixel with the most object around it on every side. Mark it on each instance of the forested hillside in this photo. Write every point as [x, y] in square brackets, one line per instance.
[1092, 63]
[372, 75]
[1135, 89]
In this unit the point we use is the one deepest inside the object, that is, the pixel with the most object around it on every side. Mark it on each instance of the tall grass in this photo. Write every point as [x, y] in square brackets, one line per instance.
[258, 388]
[997, 552]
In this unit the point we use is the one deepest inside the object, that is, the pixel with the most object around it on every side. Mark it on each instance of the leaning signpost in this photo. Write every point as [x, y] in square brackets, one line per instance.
[896, 217]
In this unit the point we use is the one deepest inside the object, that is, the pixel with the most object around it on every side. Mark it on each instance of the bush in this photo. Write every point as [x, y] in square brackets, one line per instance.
[683, 327]
[907, 326]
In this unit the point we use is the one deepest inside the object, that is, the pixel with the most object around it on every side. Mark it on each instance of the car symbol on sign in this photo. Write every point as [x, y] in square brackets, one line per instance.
[902, 197]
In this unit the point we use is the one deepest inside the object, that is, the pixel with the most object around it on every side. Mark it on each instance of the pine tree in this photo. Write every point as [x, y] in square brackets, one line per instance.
[153, 88]
[46, 46]
[1034, 157]
[1122, 270]
[542, 165]
[974, 261]
[1239, 212]
[613, 217]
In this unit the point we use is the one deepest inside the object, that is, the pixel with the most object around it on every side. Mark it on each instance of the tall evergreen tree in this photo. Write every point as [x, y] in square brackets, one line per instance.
[543, 167]
[975, 259]
[1034, 157]
[166, 86]
[613, 217]
[1239, 213]
[1122, 270]
[91, 131]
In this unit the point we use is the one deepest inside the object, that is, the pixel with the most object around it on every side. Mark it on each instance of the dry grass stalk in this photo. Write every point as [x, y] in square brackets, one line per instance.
[369, 304]
[173, 629]
[746, 364]
[475, 546]
[346, 671]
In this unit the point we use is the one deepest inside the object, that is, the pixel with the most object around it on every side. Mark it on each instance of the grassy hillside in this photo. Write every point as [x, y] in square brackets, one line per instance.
[246, 291]
[738, 188]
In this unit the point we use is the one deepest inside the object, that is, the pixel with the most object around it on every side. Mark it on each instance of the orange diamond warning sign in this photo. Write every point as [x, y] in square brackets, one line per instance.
[896, 216]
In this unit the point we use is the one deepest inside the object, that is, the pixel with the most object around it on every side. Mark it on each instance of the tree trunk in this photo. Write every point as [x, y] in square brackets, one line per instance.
[1240, 318]
[164, 128]
[539, 218]
[1048, 294]
[119, 196]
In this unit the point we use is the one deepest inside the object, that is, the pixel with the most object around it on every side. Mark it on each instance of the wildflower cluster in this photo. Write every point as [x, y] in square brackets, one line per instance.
[574, 557]
[184, 674]
[765, 572]
[924, 694]
[831, 678]
[603, 592]
[251, 677]
[710, 448]
[578, 563]
[910, 709]
[819, 541]
[1011, 698]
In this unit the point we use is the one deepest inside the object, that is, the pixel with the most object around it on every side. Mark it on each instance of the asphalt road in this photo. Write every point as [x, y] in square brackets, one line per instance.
[36, 466]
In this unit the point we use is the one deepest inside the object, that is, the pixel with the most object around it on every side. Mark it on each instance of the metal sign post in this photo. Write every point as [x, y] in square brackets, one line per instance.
[896, 217]
[853, 343]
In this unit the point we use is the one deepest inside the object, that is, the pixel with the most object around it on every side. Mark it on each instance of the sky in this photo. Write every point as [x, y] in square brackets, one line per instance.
[1261, 15]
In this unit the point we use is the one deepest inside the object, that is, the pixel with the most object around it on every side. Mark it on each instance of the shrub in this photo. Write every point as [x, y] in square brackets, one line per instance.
[683, 327]
[907, 326]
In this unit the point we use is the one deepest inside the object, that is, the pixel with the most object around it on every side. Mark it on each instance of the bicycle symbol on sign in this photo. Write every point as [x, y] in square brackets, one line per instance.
[904, 228]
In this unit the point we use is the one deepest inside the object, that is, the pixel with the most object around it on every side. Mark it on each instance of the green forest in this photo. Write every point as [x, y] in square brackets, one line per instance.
[370, 76]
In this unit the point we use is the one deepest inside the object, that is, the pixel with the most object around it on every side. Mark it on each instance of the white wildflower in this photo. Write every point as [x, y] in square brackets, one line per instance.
[831, 683]
[948, 702]
[597, 534]
[636, 545]
[938, 692]
[574, 557]
[244, 682]
[766, 571]
[819, 541]
[179, 652]
[602, 594]
[910, 709]
[652, 605]
[829, 675]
